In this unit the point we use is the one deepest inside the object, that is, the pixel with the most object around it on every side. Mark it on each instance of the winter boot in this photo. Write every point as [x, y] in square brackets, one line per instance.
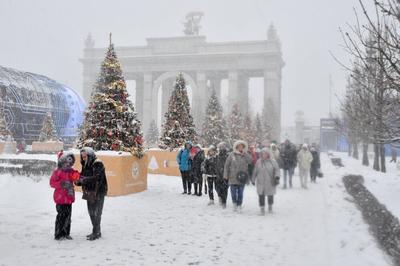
[219, 201]
[262, 211]
[269, 209]
[211, 202]
[239, 208]
[223, 205]
[68, 237]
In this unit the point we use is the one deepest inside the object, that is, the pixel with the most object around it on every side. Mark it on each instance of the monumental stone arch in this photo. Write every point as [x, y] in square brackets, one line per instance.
[204, 65]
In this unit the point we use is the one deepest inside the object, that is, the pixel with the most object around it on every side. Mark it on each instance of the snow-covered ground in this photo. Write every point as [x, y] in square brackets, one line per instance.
[319, 226]
[385, 186]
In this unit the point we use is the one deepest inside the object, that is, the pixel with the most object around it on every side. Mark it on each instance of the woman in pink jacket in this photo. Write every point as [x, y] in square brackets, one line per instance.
[64, 194]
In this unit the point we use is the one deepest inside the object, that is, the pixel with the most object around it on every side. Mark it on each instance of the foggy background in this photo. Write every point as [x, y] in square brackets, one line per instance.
[47, 37]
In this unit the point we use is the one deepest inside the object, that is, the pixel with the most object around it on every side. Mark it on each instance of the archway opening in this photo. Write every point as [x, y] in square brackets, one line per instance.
[131, 88]
[256, 95]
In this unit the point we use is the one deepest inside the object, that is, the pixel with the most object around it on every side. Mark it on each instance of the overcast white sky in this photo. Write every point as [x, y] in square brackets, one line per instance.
[46, 37]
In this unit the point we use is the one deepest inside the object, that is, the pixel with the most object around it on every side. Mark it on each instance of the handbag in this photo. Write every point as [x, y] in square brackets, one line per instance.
[242, 177]
[275, 179]
[90, 196]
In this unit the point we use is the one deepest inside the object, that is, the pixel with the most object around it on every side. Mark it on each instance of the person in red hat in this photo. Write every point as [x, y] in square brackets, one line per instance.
[62, 180]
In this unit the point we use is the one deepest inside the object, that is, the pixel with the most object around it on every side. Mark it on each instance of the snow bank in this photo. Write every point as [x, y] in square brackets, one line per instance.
[384, 186]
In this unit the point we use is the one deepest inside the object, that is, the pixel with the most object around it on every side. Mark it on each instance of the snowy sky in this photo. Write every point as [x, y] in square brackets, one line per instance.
[46, 37]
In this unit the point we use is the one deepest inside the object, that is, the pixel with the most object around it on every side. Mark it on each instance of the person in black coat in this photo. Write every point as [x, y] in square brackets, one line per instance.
[94, 187]
[197, 156]
[288, 156]
[221, 185]
[315, 164]
[210, 170]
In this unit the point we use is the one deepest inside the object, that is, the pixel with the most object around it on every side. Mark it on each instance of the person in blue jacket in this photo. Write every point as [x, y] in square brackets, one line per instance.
[185, 167]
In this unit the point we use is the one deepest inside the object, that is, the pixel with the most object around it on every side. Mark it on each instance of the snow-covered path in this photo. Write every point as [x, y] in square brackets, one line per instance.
[319, 226]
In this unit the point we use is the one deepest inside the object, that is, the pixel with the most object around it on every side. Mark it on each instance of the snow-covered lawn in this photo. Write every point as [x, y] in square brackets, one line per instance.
[319, 226]
[385, 186]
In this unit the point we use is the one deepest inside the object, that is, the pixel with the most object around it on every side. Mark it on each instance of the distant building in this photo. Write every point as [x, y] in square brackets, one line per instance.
[330, 137]
[301, 133]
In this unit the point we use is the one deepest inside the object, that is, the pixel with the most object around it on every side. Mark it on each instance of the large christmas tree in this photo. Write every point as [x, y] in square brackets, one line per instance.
[152, 134]
[111, 121]
[178, 126]
[235, 124]
[48, 132]
[4, 132]
[214, 126]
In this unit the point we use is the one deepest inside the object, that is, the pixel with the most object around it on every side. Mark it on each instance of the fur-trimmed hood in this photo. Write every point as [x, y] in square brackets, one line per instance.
[239, 142]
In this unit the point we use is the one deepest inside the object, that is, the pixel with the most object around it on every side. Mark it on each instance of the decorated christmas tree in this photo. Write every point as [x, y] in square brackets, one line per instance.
[152, 134]
[111, 121]
[235, 124]
[48, 132]
[248, 133]
[214, 126]
[178, 126]
[4, 132]
[258, 130]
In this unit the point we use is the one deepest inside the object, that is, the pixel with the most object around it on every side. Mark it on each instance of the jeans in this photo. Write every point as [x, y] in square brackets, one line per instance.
[237, 194]
[288, 173]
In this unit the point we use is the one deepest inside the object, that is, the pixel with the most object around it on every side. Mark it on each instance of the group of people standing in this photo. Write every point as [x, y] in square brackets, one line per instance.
[225, 169]
[93, 180]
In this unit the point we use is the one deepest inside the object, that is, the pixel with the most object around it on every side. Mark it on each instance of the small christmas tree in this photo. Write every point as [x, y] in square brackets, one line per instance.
[214, 126]
[178, 126]
[4, 132]
[258, 130]
[111, 121]
[48, 132]
[152, 134]
[248, 133]
[235, 121]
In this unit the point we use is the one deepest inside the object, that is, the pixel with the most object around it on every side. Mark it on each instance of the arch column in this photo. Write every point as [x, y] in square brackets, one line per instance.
[233, 89]
[167, 88]
[243, 93]
[149, 101]
[139, 97]
[272, 95]
[199, 99]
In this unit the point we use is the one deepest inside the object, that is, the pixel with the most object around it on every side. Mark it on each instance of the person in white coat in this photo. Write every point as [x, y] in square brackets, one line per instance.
[304, 159]
[266, 176]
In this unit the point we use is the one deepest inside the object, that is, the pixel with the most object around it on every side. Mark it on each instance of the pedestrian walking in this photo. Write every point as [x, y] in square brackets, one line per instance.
[236, 172]
[266, 177]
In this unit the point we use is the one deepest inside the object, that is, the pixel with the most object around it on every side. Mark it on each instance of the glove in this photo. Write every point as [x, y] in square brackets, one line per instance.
[66, 184]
